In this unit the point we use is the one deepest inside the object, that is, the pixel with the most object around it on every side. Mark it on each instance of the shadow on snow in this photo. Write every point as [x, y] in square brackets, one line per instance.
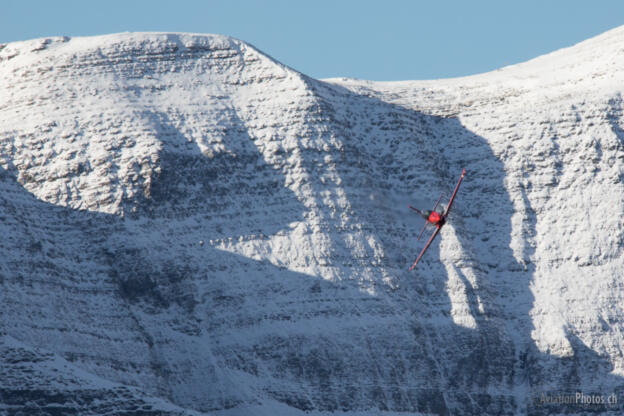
[218, 330]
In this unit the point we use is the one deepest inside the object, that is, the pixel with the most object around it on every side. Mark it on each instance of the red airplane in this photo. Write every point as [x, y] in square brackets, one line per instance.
[435, 218]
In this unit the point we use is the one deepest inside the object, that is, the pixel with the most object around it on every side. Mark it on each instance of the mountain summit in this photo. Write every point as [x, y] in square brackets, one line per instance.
[191, 227]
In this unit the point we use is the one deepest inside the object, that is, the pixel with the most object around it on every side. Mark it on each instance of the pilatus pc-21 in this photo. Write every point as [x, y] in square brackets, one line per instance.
[437, 219]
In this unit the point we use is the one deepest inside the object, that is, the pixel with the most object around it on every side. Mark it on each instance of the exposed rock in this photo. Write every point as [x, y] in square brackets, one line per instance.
[120, 153]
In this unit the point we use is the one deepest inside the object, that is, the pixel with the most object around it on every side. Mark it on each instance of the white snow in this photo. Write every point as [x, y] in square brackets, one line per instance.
[120, 154]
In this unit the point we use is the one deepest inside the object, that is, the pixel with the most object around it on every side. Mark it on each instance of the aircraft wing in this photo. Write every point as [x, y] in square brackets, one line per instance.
[448, 208]
[435, 233]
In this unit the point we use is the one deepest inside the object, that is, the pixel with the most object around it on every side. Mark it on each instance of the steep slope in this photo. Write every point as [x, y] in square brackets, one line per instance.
[192, 226]
[555, 125]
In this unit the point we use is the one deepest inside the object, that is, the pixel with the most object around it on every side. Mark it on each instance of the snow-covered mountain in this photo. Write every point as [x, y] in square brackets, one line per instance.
[190, 227]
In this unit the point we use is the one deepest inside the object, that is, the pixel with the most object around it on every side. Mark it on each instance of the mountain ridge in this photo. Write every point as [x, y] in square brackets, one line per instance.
[200, 224]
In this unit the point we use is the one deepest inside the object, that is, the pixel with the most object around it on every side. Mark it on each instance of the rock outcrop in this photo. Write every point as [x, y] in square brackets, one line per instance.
[192, 227]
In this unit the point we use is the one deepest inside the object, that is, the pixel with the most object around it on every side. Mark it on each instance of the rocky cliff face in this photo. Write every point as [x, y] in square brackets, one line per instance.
[191, 227]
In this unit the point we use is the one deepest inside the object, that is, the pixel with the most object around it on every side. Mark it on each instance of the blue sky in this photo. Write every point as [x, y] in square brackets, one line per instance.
[377, 40]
